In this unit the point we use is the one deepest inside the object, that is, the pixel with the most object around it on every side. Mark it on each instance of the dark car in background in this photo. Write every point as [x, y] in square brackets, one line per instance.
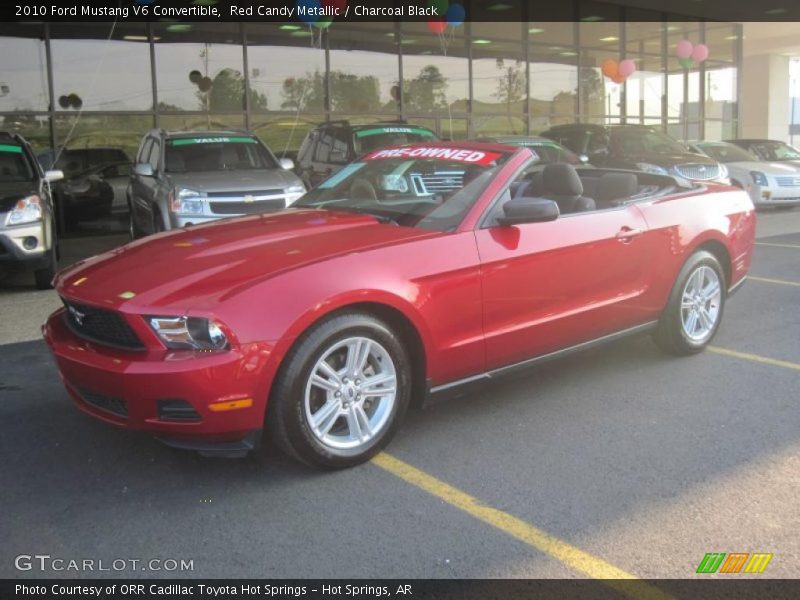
[330, 146]
[770, 150]
[548, 151]
[188, 178]
[637, 147]
[92, 179]
[27, 220]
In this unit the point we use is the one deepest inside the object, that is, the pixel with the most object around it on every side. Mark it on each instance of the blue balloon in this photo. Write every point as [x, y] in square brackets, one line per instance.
[307, 10]
[455, 15]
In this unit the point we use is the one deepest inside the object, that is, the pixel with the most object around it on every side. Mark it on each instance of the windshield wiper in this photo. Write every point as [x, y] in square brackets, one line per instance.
[380, 217]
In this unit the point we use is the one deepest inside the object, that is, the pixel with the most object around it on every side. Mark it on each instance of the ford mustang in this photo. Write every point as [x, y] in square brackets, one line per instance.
[408, 273]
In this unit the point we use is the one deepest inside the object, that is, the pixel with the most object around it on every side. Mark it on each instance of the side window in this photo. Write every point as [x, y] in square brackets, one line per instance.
[155, 154]
[144, 153]
[305, 154]
[340, 151]
[324, 146]
[596, 144]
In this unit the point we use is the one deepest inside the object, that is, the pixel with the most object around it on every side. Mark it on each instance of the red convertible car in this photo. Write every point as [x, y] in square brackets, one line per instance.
[409, 272]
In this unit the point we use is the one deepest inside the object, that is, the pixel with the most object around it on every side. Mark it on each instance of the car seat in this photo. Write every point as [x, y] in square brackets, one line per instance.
[561, 183]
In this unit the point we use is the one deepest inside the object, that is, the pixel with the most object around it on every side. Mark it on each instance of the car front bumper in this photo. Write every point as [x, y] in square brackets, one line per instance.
[129, 389]
[774, 195]
[12, 243]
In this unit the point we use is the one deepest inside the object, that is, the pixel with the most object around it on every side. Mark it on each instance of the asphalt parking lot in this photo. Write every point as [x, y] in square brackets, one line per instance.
[618, 461]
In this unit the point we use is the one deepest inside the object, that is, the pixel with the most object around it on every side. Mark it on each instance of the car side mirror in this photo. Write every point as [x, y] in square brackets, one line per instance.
[528, 210]
[53, 176]
[287, 164]
[144, 170]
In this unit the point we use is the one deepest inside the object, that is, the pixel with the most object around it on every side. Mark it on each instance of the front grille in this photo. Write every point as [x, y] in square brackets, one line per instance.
[437, 183]
[102, 326]
[698, 172]
[246, 208]
[788, 181]
[116, 406]
[241, 194]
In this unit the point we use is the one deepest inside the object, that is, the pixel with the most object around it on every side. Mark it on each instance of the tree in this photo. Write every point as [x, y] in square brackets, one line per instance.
[426, 92]
[227, 93]
[305, 94]
[510, 86]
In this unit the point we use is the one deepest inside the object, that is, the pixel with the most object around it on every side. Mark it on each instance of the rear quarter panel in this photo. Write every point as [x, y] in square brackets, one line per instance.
[682, 223]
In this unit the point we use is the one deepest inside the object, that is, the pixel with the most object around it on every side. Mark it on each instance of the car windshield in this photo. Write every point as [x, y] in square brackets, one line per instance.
[776, 151]
[375, 138]
[726, 153]
[415, 186]
[14, 164]
[643, 141]
[217, 153]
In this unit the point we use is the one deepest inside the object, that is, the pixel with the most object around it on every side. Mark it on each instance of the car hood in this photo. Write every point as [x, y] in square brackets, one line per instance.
[11, 193]
[672, 159]
[201, 266]
[235, 181]
[768, 168]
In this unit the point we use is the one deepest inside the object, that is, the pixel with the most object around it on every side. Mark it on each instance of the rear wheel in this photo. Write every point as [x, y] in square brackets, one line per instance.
[695, 306]
[341, 393]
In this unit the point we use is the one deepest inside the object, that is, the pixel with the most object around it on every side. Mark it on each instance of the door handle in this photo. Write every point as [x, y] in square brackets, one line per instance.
[626, 234]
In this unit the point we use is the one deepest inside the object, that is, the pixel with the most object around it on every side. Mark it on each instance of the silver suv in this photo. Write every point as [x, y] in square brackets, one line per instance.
[184, 178]
[27, 216]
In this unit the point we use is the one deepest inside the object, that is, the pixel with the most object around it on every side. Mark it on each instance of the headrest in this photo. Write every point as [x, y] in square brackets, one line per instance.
[615, 186]
[561, 179]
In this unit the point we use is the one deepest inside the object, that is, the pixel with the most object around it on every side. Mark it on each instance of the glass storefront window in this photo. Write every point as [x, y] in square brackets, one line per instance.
[499, 85]
[23, 68]
[365, 72]
[436, 79]
[553, 86]
[199, 67]
[94, 72]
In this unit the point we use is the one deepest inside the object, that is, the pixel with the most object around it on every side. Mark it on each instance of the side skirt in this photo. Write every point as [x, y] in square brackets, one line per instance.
[457, 387]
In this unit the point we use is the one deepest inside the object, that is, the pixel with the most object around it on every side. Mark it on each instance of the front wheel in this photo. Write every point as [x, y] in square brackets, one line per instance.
[695, 307]
[341, 393]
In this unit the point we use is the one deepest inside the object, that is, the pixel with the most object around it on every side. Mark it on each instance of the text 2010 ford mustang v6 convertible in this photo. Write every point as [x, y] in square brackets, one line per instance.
[407, 273]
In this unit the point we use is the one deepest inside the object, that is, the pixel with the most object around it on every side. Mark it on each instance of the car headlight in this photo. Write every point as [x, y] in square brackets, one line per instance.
[651, 168]
[189, 333]
[187, 202]
[294, 193]
[27, 210]
[759, 178]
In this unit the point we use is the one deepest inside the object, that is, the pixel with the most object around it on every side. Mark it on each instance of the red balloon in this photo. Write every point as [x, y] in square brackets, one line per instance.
[437, 25]
[610, 68]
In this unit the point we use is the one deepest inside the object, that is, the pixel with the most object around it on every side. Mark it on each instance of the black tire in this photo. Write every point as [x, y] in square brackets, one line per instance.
[158, 222]
[670, 334]
[43, 276]
[133, 230]
[286, 419]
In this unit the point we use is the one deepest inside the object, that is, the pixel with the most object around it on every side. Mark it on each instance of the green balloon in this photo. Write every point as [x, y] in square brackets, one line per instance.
[323, 22]
[440, 5]
[686, 63]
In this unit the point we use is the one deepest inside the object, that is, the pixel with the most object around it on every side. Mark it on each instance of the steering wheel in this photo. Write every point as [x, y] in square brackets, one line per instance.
[362, 189]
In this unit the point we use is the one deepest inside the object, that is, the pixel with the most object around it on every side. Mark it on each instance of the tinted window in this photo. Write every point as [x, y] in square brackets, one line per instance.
[776, 151]
[217, 153]
[14, 165]
[726, 152]
[639, 141]
[375, 138]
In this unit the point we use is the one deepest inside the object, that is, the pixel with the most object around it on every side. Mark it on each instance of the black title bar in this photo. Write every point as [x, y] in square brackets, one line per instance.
[321, 12]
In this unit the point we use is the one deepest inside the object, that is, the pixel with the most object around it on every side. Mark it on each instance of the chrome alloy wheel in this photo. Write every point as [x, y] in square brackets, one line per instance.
[700, 303]
[350, 393]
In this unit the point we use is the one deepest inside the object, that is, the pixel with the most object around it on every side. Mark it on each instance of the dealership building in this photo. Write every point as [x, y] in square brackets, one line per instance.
[103, 84]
